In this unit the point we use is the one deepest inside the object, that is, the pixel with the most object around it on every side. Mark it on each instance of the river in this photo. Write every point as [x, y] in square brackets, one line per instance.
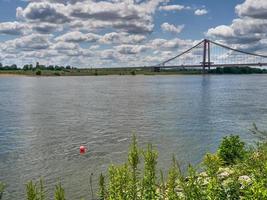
[44, 120]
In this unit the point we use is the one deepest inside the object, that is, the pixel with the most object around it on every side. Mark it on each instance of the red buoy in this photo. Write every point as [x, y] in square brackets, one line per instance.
[82, 149]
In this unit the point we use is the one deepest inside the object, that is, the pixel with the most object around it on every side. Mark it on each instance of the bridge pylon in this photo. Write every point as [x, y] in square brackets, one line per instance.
[206, 56]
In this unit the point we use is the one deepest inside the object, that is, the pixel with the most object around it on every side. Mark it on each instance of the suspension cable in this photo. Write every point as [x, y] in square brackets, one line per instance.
[163, 63]
[240, 51]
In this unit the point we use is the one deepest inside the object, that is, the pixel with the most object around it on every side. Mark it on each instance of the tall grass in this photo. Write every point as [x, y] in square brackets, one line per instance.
[233, 172]
[221, 176]
[2, 188]
[35, 191]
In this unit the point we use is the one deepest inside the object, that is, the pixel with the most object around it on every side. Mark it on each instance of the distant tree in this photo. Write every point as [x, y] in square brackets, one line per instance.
[1, 66]
[43, 67]
[68, 67]
[50, 67]
[26, 67]
[57, 68]
[13, 67]
[37, 65]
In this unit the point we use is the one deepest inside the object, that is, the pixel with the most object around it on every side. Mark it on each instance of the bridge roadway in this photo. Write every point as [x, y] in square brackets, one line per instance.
[214, 65]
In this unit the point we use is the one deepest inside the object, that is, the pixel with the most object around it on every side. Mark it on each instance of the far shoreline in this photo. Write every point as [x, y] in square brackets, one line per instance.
[39, 72]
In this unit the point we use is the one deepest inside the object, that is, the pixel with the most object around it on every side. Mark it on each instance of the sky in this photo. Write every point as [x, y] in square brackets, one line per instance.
[123, 33]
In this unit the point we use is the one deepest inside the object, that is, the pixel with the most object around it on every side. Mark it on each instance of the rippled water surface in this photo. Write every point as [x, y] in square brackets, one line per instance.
[43, 121]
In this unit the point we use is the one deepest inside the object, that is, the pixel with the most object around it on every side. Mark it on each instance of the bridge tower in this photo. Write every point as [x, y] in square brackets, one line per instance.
[206, 55]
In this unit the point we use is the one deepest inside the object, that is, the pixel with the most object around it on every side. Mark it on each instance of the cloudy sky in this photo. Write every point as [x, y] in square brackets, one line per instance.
[109, 33]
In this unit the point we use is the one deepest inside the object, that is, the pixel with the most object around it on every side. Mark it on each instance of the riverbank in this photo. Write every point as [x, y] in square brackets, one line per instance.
[127, 71]
[233, 172]
[94, 72]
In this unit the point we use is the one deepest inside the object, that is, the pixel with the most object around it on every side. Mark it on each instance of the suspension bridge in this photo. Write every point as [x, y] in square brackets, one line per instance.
[208, 54]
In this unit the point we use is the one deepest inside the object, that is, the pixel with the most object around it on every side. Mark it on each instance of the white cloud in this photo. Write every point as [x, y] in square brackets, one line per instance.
[131, 49]
[172, 28]
[12, 28]
[253, 8]
[129, 16]
[247, 32]
[163, 44]
[176, 7]
[121, 38]
[77, 36]
[44, 12]
[29, 43]
[64, 46]
[200, 12]
[221, 31]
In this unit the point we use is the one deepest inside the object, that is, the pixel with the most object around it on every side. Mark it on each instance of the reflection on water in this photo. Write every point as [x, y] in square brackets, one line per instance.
[43, 121]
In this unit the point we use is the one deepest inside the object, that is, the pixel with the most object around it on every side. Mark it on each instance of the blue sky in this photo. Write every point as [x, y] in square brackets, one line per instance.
[98, 33]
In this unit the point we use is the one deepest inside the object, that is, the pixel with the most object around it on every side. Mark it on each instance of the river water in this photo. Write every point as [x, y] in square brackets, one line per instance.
[44, 120]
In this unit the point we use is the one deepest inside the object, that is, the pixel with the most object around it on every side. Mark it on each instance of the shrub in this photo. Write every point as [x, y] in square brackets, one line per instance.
[133, 160]
[96, 73]
[35, 191]
[173, 176]
[39, 73]
[2, 189]
[192, 185]
[59, 193]
[149, 179]
[118, 182]
[212, 163]
[231, 150]
[102, 190]
[133, 72]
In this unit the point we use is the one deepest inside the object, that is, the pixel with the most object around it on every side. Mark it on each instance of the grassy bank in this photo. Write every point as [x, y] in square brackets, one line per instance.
[124, 71]
[235, 171]
[95, 72]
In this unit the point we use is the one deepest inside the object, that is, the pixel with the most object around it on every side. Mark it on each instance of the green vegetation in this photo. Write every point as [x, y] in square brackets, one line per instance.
[231, 150]
[237, 70]
[233, 172]
[39, 73]
[38, 70]
[2, 188]
[35, 191]
[55, 70]
[59, 193]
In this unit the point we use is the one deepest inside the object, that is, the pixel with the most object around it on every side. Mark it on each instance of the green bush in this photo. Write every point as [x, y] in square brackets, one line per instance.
[212, 163]
[231, 150]
[149, 179]
[35, 191]
[133, 160]
[133, 72]
[2, 189]
[39, 73]
[59, 192]
[173, 176]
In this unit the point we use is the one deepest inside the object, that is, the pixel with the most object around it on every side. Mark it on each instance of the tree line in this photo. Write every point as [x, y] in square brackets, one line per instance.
[38, 66]
[237, 70]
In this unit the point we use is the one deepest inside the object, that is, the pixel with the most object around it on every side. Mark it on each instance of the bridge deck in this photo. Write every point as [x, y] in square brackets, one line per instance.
[216, 65]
